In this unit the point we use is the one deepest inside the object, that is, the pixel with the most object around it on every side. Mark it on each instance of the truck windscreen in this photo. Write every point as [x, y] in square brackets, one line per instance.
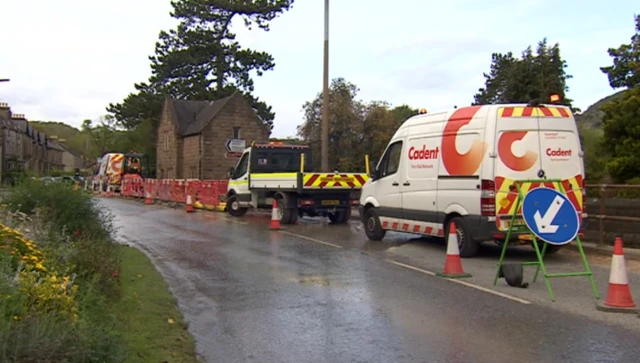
[279, 160]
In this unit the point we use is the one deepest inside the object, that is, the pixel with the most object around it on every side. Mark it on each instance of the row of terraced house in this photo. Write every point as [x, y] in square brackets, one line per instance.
[23, 148]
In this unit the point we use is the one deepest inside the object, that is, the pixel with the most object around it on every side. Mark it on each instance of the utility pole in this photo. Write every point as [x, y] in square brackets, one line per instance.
[325, 93]
[4, 79]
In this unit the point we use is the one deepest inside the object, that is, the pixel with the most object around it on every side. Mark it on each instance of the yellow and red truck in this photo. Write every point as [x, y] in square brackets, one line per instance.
[114, 166]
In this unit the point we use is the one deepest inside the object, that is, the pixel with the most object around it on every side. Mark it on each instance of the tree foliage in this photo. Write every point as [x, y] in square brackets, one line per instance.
[621, 118]
[521, 80]
[622, 135]
[355, 128]
[625, 71]
[202, 60]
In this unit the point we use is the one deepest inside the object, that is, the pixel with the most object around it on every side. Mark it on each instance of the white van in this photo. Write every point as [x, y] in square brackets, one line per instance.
[459, 166]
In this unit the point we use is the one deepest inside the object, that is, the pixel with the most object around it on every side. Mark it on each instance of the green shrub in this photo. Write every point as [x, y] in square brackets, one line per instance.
[68, 238]
[65, 207]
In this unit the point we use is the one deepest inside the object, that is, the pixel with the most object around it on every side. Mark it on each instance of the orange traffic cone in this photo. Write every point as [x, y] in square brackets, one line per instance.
[619, 299]
[452, 263]
[148, 199]
[275, 222]
[189, 206]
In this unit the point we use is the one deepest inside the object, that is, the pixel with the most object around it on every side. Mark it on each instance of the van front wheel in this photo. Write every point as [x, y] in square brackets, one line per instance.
[233, 207]
[372, 227]
[467, 246]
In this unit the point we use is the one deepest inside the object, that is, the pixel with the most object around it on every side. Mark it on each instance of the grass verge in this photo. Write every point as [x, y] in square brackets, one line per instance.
[149, 320]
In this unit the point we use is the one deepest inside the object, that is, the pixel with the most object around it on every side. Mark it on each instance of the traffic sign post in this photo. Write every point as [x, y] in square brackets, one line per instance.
[549, 216]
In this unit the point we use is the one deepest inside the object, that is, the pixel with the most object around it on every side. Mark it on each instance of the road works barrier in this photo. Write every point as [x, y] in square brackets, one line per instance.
[209, 194]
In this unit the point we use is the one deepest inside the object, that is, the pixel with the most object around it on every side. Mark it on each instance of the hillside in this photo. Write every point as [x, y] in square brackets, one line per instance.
[592, 117]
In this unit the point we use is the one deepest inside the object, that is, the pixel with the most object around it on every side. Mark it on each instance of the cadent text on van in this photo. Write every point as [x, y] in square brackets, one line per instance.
[424, 153]
[558, 152]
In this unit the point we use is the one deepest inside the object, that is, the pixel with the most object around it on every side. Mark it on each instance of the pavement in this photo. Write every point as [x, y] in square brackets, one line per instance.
[314, 292]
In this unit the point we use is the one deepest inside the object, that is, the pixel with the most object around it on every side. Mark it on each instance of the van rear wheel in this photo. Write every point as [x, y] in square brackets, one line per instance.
[372, 227]
[467, 246]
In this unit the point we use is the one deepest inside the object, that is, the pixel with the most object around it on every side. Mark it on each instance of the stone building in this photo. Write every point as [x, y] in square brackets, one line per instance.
[193, 136]
[71, 159]
[23, 148]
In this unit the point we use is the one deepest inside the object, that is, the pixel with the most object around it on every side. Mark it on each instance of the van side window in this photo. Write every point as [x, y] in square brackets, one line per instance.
[391, 161]
[242, 167]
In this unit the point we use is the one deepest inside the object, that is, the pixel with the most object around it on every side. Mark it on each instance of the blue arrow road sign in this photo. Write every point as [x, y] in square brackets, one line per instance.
[550, 215]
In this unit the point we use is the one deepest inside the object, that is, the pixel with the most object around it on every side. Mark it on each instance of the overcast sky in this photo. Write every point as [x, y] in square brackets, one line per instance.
[67, 59]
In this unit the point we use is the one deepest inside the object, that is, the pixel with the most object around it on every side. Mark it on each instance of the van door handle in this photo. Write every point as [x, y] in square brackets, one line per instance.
[395, 184]
[406, 184]
[245, 178]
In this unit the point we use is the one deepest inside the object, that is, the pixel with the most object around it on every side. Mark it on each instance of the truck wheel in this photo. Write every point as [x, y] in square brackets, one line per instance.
[372, 227]
[286, 215]
[340, 217]
[233, 207]
[467, 246]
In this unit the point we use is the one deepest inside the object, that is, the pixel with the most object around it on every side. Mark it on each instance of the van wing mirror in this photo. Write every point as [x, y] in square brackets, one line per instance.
[230, 172]
[372, 170]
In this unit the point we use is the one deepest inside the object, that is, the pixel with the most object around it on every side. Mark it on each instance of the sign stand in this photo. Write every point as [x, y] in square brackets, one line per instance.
[545, 210]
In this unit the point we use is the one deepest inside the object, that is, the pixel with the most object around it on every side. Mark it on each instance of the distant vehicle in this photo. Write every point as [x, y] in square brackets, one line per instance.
[283, 172]
[114, 166]
[460, 166]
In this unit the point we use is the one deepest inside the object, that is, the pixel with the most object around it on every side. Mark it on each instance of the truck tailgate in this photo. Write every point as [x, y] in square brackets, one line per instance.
[273, 180]
[334, 181]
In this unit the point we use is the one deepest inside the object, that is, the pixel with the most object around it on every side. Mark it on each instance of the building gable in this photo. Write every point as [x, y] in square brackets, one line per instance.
[239, 101]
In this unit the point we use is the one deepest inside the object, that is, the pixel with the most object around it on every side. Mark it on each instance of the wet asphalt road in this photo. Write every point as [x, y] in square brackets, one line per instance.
[253, 295]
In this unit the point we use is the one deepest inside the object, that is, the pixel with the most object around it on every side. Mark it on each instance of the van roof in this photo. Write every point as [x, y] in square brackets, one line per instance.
[418, 119]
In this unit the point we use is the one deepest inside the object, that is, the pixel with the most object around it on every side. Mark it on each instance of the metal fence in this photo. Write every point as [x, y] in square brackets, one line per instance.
[605, 193]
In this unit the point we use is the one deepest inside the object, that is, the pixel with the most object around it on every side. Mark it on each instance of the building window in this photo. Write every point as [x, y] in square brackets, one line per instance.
[166, 141]
[194, 172]
[236, 132]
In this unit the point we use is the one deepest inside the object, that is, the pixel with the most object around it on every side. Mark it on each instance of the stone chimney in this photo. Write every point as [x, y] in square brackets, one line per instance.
[18, 116]
[5, 111]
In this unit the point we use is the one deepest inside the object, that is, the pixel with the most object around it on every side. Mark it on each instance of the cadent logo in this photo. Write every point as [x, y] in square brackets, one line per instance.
[558, 152]
[424, 153]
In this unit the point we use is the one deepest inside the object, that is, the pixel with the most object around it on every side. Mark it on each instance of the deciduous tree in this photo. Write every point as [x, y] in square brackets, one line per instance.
[625, 71]
[356, 128]
[621, 119]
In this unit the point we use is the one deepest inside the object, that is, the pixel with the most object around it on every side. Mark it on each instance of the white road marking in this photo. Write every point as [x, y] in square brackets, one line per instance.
[411, 267]
[461, 282]
[311, 239]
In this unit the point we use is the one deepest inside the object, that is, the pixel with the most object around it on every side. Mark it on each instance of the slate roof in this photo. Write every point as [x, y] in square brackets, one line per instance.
[54, 145]
[193, 116]
[70, 151]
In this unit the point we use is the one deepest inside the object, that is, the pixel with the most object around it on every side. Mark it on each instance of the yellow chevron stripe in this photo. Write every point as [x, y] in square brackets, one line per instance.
[331, 181]
[555, 112]
[517, 111]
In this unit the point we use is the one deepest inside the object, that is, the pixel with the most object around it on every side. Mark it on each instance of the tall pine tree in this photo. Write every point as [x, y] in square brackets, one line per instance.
[202, 60]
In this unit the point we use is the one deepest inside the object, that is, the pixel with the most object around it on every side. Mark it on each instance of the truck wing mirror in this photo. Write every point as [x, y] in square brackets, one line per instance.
[230, 172]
